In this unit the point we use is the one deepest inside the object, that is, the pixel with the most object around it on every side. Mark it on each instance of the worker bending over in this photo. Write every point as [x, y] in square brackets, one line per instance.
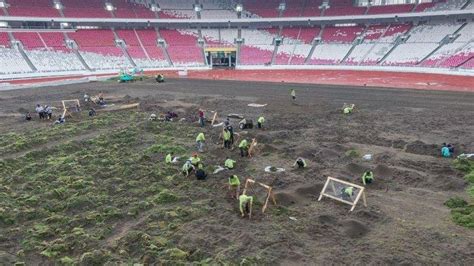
[200, 173]
[195, 160]
[244, 148]
[367, 177]
[227, 138]
[169, 158]
[188, 167]
[293, 94]
[160, 78]
[347, 193]
[300, 162]
[200, 139]
[229, 163]
[447, 150]
[245, 205]
[348, 108]
[260, 122]
[234, 186]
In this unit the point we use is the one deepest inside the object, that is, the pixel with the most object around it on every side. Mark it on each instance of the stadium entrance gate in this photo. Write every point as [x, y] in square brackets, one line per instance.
[221, 57]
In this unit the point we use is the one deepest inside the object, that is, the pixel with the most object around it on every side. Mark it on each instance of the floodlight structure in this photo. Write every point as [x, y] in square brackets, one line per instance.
[2, 4]
[239, 8]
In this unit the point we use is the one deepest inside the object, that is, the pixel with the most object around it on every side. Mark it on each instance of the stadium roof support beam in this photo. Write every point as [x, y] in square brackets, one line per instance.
[250, 22]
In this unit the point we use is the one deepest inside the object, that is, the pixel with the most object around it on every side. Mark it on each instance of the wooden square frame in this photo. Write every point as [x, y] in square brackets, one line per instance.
[252, 148]
[353, 204]
[248, 186]
[66, 109]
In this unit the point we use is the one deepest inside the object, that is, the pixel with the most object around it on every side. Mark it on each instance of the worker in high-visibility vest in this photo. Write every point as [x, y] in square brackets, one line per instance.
[226, 135]
[234, 186]
[347, 193]
[229, 163]
[200, 139]
[260, 122]
[244, 148]
[245, 205]
[367, 177]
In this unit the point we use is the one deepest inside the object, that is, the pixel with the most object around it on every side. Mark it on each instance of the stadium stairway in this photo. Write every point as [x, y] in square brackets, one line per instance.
[441, 44]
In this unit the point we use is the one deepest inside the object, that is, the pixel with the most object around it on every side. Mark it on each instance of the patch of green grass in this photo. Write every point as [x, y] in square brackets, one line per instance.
[352, 153]
[462, 211]
[63, 202]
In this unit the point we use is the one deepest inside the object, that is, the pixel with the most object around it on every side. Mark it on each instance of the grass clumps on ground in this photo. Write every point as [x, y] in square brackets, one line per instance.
[461, 210]
[65, 203]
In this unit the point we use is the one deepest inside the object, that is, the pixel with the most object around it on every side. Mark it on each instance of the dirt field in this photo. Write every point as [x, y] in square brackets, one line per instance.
[405, 221]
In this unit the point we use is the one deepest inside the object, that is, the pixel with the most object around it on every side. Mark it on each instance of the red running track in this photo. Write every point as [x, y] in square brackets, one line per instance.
[334, 77]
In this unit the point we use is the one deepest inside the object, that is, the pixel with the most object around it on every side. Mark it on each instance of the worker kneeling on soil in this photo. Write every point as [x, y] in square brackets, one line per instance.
[169, 158]
[245, 205]
[260, 122]
[367, 177]
[347, 108]
[229, 163]
[300, 162]
[200, 139]
[160, 78]
[234, 186]
[195, 160]
[188, 167]
[347, 193]
[447, 150]
[244, 148]
[200, 173]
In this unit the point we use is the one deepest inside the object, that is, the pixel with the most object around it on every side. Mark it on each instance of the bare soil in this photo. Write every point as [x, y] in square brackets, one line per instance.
[405, 221]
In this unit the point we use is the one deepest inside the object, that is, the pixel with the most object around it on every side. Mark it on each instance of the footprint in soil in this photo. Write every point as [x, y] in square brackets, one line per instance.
[354, 229]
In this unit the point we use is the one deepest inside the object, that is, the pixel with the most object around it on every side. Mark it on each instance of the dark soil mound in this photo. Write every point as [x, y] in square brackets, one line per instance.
[354, 229]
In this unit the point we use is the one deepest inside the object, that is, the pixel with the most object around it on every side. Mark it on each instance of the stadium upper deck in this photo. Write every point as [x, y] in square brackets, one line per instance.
[33, 45]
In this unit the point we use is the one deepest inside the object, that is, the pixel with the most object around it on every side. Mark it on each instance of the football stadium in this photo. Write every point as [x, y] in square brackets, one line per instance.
[236, 132]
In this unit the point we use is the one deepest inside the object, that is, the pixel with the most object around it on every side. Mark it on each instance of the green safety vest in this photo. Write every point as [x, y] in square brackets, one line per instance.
[195, 160]
[168, 158]
[243, 199]
[261, 120]
[243, 144]
[229, 163]
[234, 181]
[227, 135]
[200, 137]
[348, 191]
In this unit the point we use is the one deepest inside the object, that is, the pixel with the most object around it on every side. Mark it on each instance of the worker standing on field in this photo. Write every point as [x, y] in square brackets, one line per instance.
[367, 177]
[244, 148]
[260, 122]
[201, 118]
[200, 139]
[293, 94]
[226, 136]
[234, 186]
[245, 205]
[229, 163]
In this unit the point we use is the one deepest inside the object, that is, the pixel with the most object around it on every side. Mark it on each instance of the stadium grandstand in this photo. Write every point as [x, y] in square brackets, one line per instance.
[42, 37]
